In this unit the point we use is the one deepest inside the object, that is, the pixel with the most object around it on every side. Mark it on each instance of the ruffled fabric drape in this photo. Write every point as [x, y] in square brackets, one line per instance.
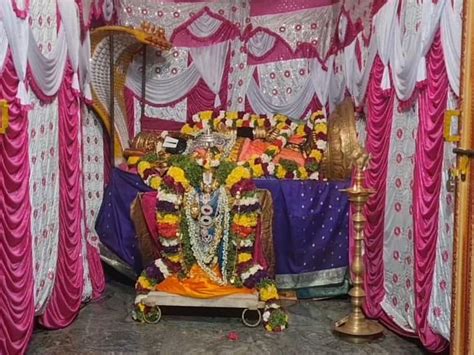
[66, 298]
[3, 46]
[439, 316]
[16, 269]
[451, 28]
[161, 91]
[398, 245]
[44, 195]
[294, 108]
[204, 26]
[93, 187]
[380, 113]
[427, 186]
[210, 62]
[17, 34]
[46, 73]
[260, 44]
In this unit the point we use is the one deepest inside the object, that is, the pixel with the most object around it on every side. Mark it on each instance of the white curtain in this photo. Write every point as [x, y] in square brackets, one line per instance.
[398, 239]
[411, 45]
[84, 67]
[48, 71]
[260, 43]
[337, 84]
[108, 9]
[3, 45]
[441, 293]
[295, 108]
[357, 78]
[210, 62]
[321, 78]
[384, 29]
[162, 91]
[70, 16]
[451, 29]
[204, 26]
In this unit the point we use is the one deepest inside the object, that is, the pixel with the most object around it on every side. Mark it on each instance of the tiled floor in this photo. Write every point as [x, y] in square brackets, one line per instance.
[106, 327]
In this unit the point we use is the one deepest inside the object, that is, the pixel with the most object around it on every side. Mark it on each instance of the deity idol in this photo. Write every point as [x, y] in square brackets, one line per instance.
[207, 215]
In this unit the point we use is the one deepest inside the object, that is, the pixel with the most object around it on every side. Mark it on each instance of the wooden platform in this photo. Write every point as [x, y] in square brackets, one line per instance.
[249, 301]
[246, 302]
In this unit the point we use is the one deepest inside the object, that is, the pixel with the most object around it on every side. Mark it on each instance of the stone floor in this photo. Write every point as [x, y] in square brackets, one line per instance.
[106, 327]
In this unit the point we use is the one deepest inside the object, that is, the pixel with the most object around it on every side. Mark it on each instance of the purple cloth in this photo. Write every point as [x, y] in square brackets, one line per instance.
[310, 227]
[114, 224]
[310, 231]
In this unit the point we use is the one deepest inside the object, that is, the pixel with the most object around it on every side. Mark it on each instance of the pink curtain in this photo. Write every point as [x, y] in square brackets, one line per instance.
[427, 186]
[66, 298]
[379, 123]
[16, 265]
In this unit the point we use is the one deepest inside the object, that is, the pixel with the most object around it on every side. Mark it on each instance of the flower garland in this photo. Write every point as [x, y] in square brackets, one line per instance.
[283, 131]
[178, 235]
[176, 227]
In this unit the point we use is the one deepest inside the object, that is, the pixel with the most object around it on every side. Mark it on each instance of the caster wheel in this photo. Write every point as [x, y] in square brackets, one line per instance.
[253, 323]
[152, 315]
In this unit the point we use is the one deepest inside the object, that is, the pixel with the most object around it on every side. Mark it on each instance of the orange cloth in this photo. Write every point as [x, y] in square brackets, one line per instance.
[257, 147]
[198, 285]
[251, 148]
[290, 155]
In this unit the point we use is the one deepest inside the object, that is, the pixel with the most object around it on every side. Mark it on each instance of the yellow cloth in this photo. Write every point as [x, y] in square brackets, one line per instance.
[198, 285]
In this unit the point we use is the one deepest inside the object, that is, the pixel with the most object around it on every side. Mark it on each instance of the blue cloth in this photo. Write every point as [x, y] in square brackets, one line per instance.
[114, 224]
[310, 231]
[310, 228]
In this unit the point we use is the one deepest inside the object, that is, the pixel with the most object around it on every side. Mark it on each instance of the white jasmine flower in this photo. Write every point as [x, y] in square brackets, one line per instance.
[321, 144]
[163, 268]
[314, 176]
[271, 168]
[266, 158]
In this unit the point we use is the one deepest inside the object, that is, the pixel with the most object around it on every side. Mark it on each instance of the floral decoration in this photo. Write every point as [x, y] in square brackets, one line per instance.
[284, 130]
[177, 231]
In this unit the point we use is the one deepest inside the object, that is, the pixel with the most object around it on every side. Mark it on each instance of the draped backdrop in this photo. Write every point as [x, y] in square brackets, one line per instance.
[50, 180]
[399, 60]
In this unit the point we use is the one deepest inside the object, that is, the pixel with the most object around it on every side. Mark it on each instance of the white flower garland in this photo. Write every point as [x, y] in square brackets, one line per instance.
[193, 230]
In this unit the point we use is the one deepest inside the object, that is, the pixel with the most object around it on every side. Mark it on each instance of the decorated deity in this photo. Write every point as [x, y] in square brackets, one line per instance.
[207, 216]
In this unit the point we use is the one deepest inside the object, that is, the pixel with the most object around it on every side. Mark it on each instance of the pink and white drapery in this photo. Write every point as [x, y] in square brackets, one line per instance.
[398, 241]
[66, 298]
[16, 269]
[427, 187]
[41, 272]
[402, 261]
[339, 40]
[44, 161]
[380, 113]
[207, 64]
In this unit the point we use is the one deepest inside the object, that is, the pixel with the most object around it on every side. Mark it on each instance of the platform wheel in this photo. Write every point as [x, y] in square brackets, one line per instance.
[251, 324]
[152, 315]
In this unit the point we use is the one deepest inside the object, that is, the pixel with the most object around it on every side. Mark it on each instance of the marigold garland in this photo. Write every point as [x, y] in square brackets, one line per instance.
[177, 253]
